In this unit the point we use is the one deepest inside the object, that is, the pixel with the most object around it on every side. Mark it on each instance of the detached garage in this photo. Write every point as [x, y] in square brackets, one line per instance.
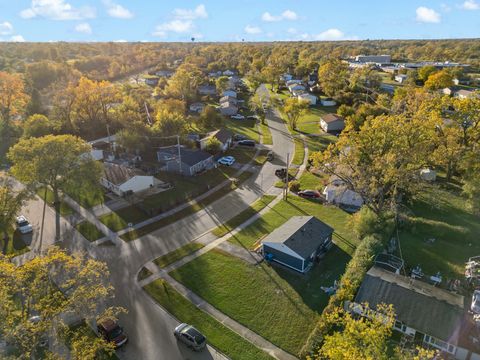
[297, 243]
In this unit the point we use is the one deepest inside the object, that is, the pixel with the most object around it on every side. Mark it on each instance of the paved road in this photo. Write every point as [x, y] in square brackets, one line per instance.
[148, 325]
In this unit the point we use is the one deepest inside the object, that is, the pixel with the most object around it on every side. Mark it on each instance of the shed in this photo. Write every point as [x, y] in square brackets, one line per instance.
[298, 242]
[332, 123]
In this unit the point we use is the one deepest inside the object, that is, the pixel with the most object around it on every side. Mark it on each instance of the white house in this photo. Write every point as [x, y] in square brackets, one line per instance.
[312, 99]
[328, 102]
[231, 93]
[197, 107]
[123, 180]
[466, 94]
[400, 78]
[337, 193]
[332, 123]
[428, 174]
[225, 137]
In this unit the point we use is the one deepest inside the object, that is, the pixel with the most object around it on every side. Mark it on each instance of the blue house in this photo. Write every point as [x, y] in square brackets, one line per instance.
[298, 243]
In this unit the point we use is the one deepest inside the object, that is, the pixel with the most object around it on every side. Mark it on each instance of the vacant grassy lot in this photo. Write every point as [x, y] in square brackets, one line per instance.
[276, 303]
[14, 245]
[440, 213]
[119, 219]
[244, 127]
[294, 206]
[177, 254]
[219, 336]
[231, 224]
[89, 231]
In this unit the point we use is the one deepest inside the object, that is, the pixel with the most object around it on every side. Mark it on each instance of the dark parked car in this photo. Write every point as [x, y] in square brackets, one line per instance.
[309, 194]
[190, 337]
[111, 331]
[250, 143]
[282, 174]
[238, 137]
[270, 156]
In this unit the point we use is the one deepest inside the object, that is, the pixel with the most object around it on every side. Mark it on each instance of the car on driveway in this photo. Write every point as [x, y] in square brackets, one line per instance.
[190, 337]
[112, 332]
[23, 225]
[238, 137]
[309, 194]
[250, 143]
[237, 117]
[226, 160]
[252, 117]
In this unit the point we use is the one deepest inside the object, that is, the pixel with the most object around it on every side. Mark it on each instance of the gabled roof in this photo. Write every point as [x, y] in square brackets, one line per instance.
[419, 305]
[330, 118]
[301, 234]
[189, 157]
[119, 174]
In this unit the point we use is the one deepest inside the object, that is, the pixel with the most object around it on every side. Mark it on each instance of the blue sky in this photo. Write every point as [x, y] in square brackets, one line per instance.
[252, 20]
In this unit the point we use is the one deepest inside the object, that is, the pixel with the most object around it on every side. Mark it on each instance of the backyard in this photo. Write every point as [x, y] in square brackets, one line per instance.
[244, 127]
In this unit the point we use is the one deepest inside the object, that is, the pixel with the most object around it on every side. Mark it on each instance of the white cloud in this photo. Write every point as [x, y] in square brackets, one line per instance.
[176, 26]
[286, 15]
[83, 28]
[116, 10]
[470, 5]
[200, 12]
[6, 28]
[17, 38]
[249, 29]
[57, 10]
[120, 41]
[327, 35]
[427, 15]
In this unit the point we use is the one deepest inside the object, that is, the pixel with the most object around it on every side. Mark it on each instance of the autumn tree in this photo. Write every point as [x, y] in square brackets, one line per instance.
[221, 84]
[210, 118]
[333, 77]
[57, 162]
[169, 124]
[37, 125]
[11, 203]
[36, 297]
[294, 109]
[425, 72]
[13, 96]
[439, 80]
[170, 106]
[132, 140]
[213, 145]
[185, 82]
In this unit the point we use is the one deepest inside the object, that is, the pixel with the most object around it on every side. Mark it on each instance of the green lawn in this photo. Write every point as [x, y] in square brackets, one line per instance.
[87, 198]
[65, 210]
[284, 210]
[242, 154]
[299, 154]
[89, 231]
[319, 143]
[225, 340]
[231, 224]
[144, 273]
[440, 213]
[312, 181]
[15, 244]
[119, 219]
[245, 127]
[276, 303]
[177, 254]
[267, 135]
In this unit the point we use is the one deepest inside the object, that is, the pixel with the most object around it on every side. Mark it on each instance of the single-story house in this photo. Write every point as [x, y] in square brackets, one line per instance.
[230, 93]
[123, 180]
[151, 80]
[228, 73]
[424, 313]
[230, 99]
[338, 193]
[312, 99]
[466, 94]
[185, 161]
[223, 135]
[312, 78]
[164, 73]
[228, 108]
[332, 123]
[287, 77]
[215, 74]
[450, 91]
[298, 242]
[400, 78]
[428, 174]
[296, 87]
[293, 82]
[197, 107]
[388, 88]
[233, 82]
[461, 81]
[207, 90]
[328, 102]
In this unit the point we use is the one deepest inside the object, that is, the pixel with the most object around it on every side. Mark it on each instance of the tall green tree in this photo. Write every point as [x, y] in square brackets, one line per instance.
[333, 77]
[37, 125]
[294, 109]
[58, 162]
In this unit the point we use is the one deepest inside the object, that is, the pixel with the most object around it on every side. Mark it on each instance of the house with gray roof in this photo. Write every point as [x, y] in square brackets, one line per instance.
[224, 136]
[207, 90]
[298, 242]
[123, 180]
[425, 313]
[185, 161]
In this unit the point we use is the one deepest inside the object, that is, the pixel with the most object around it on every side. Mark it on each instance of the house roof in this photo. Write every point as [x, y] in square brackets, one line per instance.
[419, 305]
[228, 104]
[330, 118]
[227, 98]
[302, 234]
[189, 157]
[223, 135]
[119, 174]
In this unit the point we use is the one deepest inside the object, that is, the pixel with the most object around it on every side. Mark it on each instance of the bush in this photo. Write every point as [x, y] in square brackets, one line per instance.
[366, 223]
[294, 186]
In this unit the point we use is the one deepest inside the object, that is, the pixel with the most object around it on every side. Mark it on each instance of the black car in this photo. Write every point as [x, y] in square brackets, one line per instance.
[282, 174]
[249, 143]
[239, 137]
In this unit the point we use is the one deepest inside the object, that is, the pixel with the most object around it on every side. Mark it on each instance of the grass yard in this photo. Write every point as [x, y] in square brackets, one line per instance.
[245, 127]
[14, 245]
[119, 219]
[218, 335]
[242, 154]
[319, 143]
[294, 206]
[177, 254]
[65, 210]
[134, 234]
[231, 224]
[440, 213]
[267, 135]
[276, 303]
[89, 231]
[87, 198]
[144, 273]
[312, 181]
[299, 154]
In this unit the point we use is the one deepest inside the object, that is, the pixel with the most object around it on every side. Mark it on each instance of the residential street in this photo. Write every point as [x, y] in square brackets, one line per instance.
[149, 327]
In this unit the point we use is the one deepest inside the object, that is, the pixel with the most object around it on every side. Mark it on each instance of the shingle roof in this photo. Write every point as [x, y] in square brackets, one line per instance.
[302, 234]
[189, 156]
[329, 118]
[119, 174]
[419, 305]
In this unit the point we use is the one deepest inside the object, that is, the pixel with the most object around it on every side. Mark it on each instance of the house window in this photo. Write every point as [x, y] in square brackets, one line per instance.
[399, 326]
[439, 344]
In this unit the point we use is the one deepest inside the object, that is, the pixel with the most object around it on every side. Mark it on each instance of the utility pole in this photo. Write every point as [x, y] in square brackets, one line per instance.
[179, 155]
[43, 220]
[285, 194]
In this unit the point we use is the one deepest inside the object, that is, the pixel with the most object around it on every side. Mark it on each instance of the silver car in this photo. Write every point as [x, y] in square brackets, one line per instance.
[23, 225]
[190, 337]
